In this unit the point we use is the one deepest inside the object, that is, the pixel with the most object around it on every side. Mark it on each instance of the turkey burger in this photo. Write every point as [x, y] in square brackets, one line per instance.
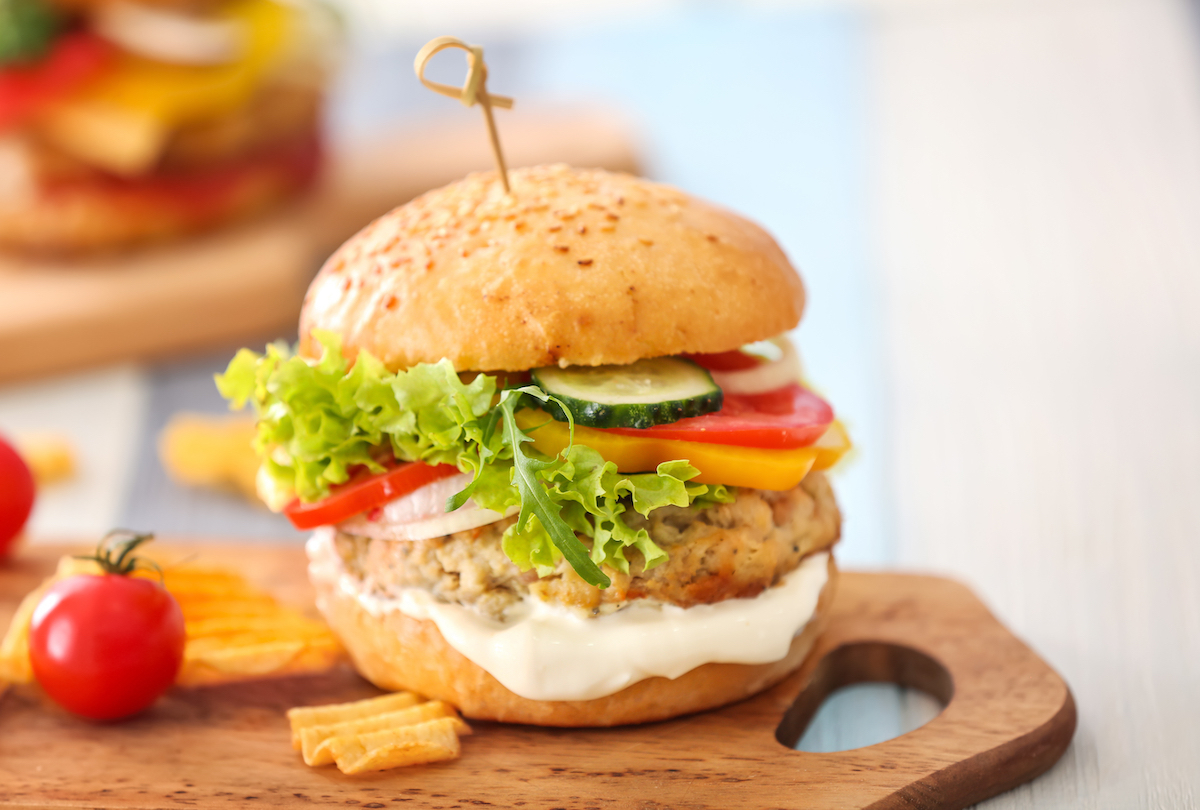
[555, 451]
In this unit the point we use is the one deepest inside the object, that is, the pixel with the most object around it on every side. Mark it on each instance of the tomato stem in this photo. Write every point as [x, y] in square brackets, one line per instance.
[122, 543]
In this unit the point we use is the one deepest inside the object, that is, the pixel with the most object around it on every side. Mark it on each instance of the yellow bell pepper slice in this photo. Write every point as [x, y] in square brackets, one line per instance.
[175, 94]
[833, 445]
[122, 120]
[726, 464]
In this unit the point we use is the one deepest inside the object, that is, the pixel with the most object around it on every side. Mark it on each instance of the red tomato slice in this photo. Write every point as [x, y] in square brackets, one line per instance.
[364, 491]
[24, 89]
[735, 360]
[783, 419]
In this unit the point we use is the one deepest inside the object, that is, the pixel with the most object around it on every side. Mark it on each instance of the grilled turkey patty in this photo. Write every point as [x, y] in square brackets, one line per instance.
[722, 552]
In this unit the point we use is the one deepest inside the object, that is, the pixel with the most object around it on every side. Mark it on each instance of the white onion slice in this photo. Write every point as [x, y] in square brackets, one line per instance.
[427, 501]
[768, 376]
[470, 516]
[169, 36]
[421, 515]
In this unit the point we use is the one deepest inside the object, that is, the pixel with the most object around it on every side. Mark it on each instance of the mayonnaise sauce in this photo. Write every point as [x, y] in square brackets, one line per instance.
[543, 651]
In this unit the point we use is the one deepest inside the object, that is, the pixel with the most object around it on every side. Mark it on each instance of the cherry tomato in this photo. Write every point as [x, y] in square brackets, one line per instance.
[364, 491]
[16, 495]
[25, 89]
[783, 419]
[106, 646]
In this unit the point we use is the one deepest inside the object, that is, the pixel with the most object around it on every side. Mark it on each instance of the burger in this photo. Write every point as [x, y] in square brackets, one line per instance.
[555, 451]
[131, 121]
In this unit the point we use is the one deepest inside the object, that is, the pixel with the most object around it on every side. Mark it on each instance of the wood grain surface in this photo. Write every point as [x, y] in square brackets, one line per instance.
[1008, 718]
[247, 282]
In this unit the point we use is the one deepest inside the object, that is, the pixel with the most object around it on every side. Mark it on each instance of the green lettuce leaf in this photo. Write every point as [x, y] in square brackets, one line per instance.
[594, 496]
[318, 421]
[28, 29]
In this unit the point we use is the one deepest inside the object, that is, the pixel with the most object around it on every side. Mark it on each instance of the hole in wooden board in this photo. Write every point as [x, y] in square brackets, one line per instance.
[865, 663]
[867, 714]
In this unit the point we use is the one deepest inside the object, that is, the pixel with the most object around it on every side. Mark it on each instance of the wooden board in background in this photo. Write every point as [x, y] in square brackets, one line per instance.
[247, 282]
[1009, 717]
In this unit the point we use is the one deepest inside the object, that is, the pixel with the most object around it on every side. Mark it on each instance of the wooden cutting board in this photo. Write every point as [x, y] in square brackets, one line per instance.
[246, 283]
[1008, 718]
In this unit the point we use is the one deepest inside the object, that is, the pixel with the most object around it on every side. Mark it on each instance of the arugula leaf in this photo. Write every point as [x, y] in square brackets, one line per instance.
[536, 499]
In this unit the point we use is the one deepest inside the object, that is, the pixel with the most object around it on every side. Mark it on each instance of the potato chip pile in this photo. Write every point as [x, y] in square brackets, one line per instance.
[234, 630]
[376, 734]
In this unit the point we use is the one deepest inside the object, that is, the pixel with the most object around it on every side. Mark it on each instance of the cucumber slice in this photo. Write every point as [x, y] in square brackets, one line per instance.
[650, 392]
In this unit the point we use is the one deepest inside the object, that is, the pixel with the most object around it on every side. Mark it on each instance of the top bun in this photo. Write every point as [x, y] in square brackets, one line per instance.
[575, 267]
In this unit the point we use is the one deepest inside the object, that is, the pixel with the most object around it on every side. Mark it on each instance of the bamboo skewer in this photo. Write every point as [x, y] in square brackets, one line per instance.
[473, 91]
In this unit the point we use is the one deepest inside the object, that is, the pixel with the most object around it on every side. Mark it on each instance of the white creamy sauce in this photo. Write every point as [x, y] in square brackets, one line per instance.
[547, 652]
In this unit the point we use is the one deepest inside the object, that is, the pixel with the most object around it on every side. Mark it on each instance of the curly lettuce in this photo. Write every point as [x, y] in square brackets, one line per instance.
[318, 421]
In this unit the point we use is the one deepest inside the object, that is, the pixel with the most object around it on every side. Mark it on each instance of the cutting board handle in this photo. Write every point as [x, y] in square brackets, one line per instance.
[1007, 716]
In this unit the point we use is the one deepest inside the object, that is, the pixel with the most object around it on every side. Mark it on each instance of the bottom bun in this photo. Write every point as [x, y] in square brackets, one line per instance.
[395, 652]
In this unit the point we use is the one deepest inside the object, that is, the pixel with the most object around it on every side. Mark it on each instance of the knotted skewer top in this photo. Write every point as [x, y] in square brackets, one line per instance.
[473, 91]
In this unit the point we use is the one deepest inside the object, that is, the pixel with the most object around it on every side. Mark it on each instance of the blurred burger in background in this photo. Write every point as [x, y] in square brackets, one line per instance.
[126, 122]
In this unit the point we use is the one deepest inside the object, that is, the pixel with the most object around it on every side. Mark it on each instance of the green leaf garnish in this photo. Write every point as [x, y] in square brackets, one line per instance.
[536, 498]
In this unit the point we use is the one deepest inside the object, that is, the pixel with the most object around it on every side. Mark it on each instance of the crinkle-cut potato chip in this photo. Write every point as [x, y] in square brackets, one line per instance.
[431, 741]
[235, 631]
[314, 740]
[275, 623]
[378, 733]
[203, 589]
[207, 588]
[257, 630]
[271, 652]
[274, 658]
[211, 451]
[14, 649]
[240, 608]
[303, 717]
[70, 566]
[202, 586]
